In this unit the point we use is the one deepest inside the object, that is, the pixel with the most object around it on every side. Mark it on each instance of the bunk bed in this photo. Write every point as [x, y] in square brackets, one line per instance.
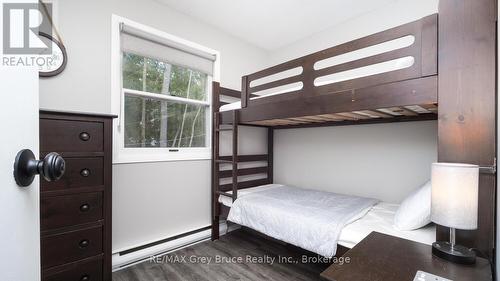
[409, 92]
[391, 76]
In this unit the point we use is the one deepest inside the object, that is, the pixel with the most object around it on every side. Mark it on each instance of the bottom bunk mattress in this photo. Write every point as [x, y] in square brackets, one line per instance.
[310, 219]
[378, 216]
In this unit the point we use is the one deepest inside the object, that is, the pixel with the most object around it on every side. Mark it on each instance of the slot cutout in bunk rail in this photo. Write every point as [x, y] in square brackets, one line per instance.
[284, 89]
[362, 53]
[277, 76]
[279, 83]
[365, 71]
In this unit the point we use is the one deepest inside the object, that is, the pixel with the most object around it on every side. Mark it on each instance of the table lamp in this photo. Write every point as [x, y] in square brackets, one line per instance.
[454, 204]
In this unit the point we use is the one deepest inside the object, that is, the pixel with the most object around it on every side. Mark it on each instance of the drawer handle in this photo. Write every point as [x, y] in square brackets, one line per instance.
[85, 278]
[84, 243]
[85, 173]
[84, 136]
[85, 208]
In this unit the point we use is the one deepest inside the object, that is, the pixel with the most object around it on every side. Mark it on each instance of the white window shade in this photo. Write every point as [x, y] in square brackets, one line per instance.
[149, 45]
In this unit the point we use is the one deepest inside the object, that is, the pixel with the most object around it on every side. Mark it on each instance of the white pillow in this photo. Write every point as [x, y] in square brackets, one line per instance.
[415, 211]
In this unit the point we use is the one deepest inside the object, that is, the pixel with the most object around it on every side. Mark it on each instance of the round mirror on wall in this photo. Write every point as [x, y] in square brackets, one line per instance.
[55, 60]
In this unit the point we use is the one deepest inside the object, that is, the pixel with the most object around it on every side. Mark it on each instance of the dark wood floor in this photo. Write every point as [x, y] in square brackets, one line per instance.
[237, 244]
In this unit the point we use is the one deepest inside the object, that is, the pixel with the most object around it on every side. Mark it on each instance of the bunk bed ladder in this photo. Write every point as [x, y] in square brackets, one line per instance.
[234, 157]
[217, 161]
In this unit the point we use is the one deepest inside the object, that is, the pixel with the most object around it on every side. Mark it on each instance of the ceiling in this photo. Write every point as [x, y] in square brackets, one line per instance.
[271, 24]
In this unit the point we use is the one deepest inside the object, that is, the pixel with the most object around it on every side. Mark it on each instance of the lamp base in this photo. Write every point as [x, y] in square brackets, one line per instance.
[455, 253]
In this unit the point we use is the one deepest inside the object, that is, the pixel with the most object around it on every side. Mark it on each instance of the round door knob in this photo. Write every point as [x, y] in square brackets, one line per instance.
[26, 167]
[52, 167]
[85, 173]
[85, 278]
[84, 136]
[85, 208]
[84, 243]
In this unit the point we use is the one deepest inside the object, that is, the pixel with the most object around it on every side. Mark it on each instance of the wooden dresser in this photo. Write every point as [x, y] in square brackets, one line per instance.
[75, 212]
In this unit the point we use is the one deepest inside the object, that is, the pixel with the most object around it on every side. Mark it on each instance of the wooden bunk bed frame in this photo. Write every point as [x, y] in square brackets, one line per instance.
[409, 94]
[351, 100]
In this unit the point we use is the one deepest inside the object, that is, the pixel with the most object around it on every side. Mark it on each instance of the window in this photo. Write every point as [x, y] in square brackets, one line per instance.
[164, 97]
[155, 122]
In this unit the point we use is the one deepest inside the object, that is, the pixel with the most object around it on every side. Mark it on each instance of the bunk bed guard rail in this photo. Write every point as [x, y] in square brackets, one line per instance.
[402, 53]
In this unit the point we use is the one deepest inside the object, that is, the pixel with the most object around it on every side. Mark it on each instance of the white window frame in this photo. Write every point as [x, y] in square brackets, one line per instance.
[121, 154]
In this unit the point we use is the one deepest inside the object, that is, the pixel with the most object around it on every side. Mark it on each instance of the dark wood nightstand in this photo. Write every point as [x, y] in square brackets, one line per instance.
[387, 258]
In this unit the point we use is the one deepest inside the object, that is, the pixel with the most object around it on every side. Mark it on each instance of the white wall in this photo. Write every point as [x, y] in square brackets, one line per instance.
[398, 13]
[385, 161]
[151, 201]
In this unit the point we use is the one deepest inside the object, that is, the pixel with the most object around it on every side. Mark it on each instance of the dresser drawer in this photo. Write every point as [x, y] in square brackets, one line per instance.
[80, 172]
[71, 136]
[67, 210]
[78, 271]
[71, 246]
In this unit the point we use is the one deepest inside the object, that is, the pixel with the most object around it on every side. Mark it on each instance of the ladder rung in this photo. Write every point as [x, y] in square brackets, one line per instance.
[224, 194]
[223, 161]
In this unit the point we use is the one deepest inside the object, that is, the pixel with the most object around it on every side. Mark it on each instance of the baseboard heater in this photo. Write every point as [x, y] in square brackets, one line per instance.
[126, 258]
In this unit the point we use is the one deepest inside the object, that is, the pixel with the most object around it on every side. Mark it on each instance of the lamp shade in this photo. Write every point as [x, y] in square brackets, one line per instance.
[455, 189]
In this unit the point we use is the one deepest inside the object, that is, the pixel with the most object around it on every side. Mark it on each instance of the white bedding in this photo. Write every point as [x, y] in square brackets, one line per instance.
[227, 201]
[378, 218]
[271, 92]
[230, 106]
[310, 219]
[381, 218]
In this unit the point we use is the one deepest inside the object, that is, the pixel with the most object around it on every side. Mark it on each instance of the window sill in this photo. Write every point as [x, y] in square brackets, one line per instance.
[129, 158]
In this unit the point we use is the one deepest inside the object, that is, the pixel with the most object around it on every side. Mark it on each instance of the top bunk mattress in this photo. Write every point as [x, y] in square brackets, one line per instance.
[230, 106]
